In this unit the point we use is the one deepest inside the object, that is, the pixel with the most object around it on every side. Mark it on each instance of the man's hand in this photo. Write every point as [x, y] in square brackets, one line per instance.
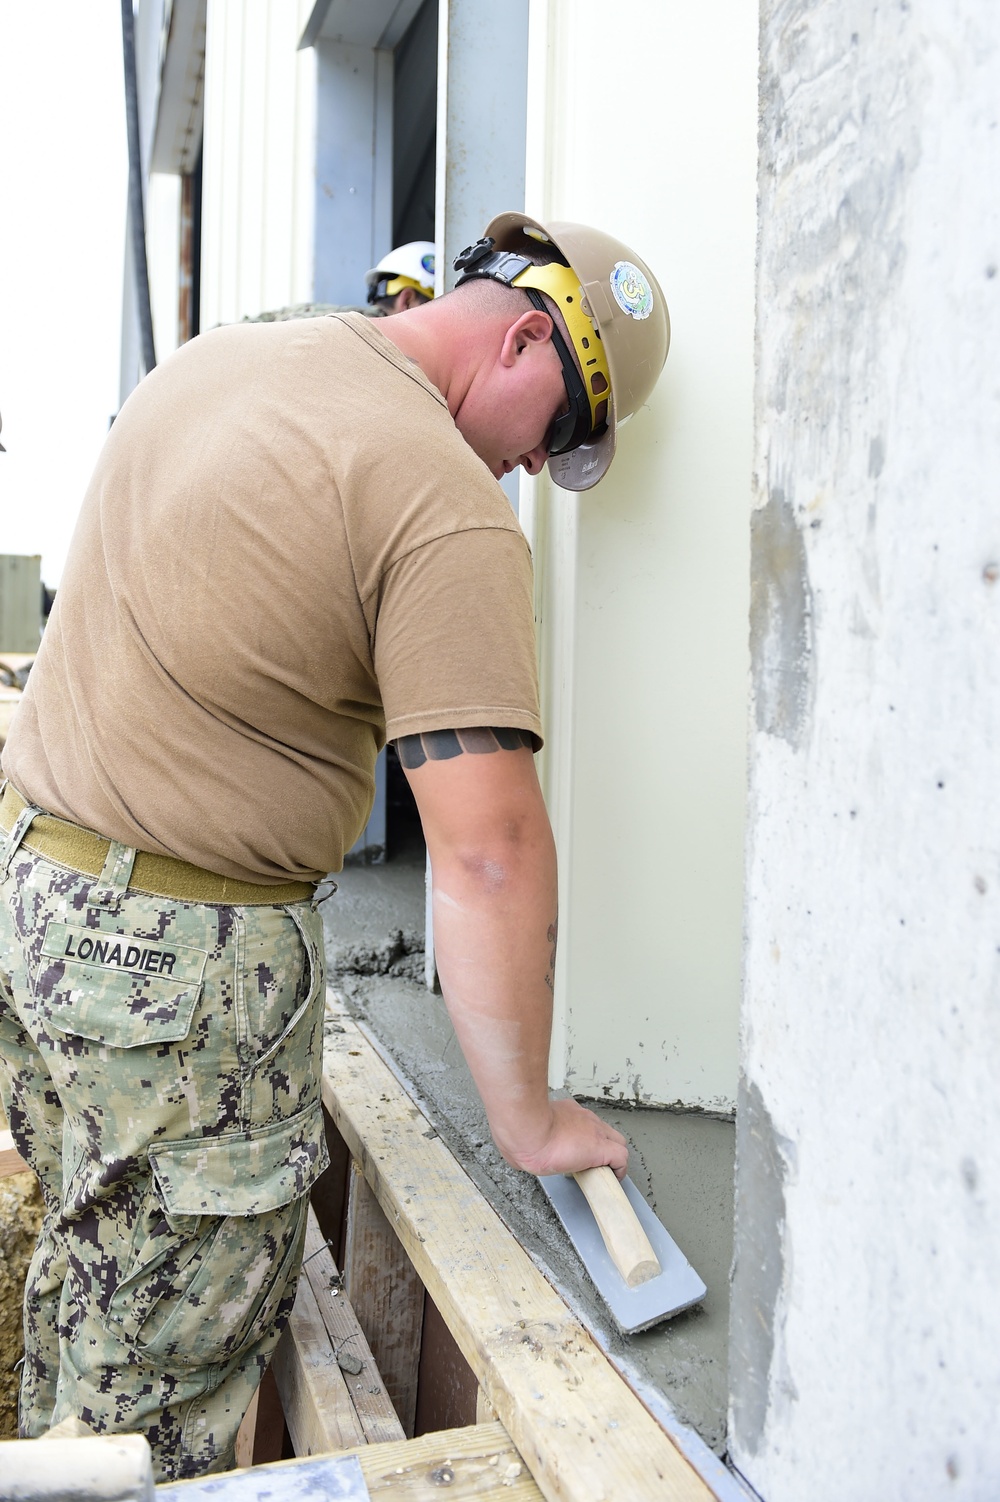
[494, 869]
[576, 1139]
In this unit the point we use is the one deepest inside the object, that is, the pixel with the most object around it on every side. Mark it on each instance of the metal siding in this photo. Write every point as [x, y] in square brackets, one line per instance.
[259, 163]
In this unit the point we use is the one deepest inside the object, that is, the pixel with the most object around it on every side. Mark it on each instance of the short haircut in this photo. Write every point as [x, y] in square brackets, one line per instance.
[495, 298]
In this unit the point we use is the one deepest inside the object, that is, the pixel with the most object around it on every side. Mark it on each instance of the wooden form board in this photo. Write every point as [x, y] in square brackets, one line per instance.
[454, 1463]
[583, 1433]
[460, 1464]
[314, 1393]
[386, 1295]
[326, 1406]
[245, 1435]
[369, 1394]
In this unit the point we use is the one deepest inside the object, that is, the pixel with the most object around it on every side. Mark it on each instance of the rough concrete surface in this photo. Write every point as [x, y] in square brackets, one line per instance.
[866, 1322]
[682, 1162]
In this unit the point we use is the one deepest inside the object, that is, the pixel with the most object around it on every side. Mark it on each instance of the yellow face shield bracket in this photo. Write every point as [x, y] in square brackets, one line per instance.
[389, 286]
[563, 286]
[590, 395]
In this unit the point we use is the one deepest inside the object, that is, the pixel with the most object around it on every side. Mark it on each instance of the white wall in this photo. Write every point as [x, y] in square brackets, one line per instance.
[259, 159]
[866, 1324]
[60, 264]
[163, 243]
[647, 127]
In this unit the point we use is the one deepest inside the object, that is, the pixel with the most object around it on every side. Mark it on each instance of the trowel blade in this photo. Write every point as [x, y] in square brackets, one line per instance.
[676, 1287]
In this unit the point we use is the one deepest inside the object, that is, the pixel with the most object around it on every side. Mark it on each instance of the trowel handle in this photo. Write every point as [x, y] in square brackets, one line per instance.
[627, 1243]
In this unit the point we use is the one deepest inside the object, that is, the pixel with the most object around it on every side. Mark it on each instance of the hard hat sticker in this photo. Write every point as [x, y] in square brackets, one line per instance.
[633, 293]
[427, 262]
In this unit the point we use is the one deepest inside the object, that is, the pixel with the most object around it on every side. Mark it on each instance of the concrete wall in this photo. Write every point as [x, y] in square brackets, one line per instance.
[259, 159]
[647, 127]
[866, 1336]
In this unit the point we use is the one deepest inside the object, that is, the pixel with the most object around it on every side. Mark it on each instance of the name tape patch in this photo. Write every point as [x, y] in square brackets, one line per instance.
[129, 952]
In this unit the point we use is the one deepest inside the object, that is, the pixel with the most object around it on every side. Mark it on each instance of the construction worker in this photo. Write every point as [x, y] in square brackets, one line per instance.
[404, 278]
[293, 546]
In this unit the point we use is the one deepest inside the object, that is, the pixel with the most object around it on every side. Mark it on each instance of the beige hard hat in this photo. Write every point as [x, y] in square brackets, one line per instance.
[603, 289]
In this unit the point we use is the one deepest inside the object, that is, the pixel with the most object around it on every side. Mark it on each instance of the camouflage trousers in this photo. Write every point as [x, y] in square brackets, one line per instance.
[159, 1067]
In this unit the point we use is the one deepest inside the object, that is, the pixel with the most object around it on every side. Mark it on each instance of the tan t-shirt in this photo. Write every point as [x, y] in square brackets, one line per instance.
[287, 551]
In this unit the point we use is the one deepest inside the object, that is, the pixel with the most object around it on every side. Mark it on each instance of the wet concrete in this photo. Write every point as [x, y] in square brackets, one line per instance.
[682, 1162]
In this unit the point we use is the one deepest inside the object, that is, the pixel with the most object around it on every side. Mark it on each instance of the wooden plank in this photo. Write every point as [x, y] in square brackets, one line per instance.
[447, 1384]
[460, 1464]
[246, 1432]
[10, 1159]
[319, 1411]
[329, 1193]
[480, 1461]
[583, 1433]
[386, 1295]
[346, 1339]
[270, 1431]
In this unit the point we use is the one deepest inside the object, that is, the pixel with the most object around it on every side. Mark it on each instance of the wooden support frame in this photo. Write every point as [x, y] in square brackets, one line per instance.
[331, 1390]
[583, 1433]
[447, 1387]
[460, 1464]
[369, 1394]
[313, 1389]
[562, 1410]
[386, 1295]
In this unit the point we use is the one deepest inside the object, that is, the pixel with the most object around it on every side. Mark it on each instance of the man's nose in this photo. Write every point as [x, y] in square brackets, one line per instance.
[533, 462]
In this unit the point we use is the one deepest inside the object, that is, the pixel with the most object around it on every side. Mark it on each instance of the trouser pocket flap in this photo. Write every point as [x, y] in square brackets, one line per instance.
[244, 1173]
[120, 989]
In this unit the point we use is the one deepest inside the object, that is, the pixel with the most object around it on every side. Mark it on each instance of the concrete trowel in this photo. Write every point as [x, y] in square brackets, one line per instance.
[633, 1261]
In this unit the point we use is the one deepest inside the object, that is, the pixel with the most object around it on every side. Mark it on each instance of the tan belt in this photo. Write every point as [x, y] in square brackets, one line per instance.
[159, 875]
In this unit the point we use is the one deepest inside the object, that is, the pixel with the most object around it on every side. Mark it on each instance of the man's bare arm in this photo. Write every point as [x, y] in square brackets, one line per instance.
[494, 866]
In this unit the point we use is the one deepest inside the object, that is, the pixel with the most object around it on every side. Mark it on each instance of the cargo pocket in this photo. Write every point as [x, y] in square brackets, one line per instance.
[117, 989]
[284, 999]
[237, 1205]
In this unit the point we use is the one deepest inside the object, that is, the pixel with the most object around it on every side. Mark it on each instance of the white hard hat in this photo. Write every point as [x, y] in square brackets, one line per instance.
[409, 265]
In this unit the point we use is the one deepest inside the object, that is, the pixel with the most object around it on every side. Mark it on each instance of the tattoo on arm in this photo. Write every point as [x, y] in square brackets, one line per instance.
[442, 745]
[553, 938]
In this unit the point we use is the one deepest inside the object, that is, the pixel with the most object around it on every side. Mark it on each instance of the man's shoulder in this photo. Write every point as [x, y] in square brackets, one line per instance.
[312, 310]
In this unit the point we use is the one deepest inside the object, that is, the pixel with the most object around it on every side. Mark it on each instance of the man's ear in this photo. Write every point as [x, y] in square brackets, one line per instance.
[408, 297]
[533, 327]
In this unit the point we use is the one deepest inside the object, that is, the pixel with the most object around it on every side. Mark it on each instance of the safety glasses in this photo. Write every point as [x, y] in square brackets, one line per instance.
[569, 429]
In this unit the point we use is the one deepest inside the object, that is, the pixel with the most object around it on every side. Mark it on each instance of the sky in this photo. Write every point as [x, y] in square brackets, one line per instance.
[62, 234]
